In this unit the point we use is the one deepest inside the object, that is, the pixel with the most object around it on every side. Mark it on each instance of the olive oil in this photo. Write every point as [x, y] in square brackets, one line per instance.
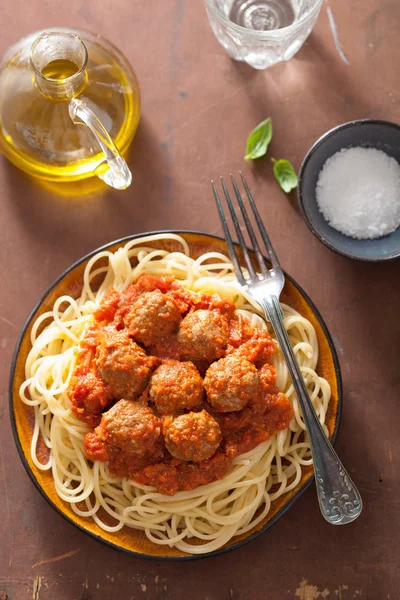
[37, 133]
[60, 68]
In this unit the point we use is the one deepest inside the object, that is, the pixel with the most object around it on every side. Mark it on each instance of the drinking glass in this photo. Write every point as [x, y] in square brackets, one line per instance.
[262, 32]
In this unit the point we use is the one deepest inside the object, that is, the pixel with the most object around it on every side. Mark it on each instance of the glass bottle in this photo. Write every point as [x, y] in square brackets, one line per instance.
[69, 107]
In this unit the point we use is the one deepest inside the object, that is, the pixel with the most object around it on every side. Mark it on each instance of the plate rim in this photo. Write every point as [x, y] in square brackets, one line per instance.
[98, 538]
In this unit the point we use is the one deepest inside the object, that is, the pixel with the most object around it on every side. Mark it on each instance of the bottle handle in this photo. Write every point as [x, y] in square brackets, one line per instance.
[113, 170]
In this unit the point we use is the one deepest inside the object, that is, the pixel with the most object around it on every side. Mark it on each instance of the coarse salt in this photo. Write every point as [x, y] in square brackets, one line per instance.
[358, 192]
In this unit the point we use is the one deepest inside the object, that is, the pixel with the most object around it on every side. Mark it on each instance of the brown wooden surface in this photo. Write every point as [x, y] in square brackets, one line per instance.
[198, 108]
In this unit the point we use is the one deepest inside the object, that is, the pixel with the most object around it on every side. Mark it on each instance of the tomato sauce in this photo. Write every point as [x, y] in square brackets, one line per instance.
[241, 431]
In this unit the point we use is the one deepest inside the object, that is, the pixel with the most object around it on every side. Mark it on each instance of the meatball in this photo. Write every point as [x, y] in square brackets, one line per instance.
[153, 316]
[130, 427]
[193, 437]
[203, 335]
[231, 383]
[123, 364]
[175, 386]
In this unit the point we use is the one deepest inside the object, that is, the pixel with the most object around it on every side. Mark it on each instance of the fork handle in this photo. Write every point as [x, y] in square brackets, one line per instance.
[338, 497]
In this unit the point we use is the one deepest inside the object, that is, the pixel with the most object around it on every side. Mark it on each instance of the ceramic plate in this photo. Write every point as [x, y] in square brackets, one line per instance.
[22, 418]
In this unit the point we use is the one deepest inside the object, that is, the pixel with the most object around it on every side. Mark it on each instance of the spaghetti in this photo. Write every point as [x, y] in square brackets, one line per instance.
[198, 521]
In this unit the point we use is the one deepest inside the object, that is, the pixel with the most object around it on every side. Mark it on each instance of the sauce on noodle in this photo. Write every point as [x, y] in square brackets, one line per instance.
[150, 461]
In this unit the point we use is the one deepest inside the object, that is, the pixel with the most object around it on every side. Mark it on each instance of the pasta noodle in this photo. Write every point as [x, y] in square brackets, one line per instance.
[197, 521]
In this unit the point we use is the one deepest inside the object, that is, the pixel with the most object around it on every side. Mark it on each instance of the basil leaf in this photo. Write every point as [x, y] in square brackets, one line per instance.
[258, 140]
[285, 174]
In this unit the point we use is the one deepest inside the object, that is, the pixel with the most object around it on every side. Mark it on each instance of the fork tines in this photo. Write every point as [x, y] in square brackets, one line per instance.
[253, 238]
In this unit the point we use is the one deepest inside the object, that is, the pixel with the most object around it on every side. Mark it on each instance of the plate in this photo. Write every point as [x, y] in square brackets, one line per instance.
[22, 418]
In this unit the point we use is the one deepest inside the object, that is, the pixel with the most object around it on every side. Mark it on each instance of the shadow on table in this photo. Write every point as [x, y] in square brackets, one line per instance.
[330, 81]
[370, 292]
[89, 213]
[319, 71]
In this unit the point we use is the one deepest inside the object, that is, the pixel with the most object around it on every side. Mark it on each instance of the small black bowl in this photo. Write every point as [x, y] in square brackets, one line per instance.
[368, 133]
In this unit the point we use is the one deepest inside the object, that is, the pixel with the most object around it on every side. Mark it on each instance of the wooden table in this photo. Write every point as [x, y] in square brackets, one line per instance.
[198, 107]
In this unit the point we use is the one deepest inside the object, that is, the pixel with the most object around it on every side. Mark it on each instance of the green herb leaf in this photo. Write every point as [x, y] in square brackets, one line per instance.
[258, 140]
[285, 174]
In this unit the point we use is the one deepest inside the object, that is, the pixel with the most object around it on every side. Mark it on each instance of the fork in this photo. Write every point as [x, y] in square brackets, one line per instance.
[338, 497]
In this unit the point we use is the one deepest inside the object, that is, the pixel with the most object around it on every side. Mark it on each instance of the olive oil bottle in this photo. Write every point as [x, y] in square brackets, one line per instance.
[69, 107]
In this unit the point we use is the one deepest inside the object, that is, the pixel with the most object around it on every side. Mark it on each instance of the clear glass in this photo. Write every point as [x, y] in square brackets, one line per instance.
[69, 107]
[262, 32]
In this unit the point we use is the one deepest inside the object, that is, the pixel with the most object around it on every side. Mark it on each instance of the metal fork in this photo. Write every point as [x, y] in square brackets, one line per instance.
[339, 499]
